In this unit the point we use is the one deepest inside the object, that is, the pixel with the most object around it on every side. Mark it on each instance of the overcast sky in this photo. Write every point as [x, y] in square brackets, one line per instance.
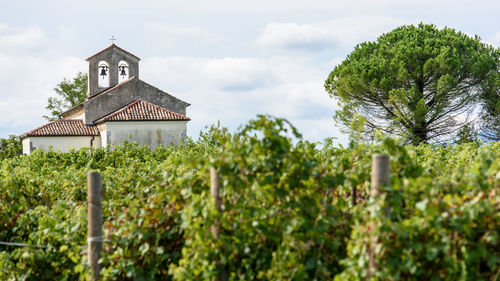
[230, 59]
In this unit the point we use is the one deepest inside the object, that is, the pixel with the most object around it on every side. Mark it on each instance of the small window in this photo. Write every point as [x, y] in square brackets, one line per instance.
[103, 74]
[122, 71]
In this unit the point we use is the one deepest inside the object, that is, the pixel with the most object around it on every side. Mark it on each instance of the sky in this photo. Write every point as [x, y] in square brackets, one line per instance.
[231, 59]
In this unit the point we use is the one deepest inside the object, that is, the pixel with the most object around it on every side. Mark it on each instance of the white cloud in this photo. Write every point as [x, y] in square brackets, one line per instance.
[225, 74]
[324, 35]
[301, 37]
[354, 30]
[29, 71]
[238, 74]
[175, 35]
[28, 81]
[15, 38]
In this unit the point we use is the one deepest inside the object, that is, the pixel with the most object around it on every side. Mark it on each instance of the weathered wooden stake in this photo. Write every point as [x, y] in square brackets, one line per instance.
[381, 172]
[215, 229]
[381, 175]
[94, 185]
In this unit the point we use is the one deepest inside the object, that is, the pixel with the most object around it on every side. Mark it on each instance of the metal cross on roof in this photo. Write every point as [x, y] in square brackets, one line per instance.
[112, 39]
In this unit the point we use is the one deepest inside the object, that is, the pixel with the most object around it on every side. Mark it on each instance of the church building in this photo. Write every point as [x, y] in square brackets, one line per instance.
[119, 106]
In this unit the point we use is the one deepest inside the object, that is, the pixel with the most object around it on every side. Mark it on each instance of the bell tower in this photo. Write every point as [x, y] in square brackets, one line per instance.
[109, 67]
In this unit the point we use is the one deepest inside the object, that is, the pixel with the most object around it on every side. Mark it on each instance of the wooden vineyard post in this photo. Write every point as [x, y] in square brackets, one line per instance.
[215, 229]
[94, 239]
[380, 176]
[381, 172]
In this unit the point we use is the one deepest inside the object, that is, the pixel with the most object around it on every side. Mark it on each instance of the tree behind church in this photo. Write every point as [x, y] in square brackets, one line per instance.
[69, 94]
[418, 82]
[10, 147]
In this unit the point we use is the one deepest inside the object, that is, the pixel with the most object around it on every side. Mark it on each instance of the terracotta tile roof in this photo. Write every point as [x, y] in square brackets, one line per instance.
[112, 87]
[113, 45]
[141, 110]
[63, 127]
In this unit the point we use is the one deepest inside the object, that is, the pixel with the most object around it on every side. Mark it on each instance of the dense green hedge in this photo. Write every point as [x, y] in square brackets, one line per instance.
[288, 212]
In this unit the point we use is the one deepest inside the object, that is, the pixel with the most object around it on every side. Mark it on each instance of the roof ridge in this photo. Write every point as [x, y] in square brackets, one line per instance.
[111, 46]
[162, 108]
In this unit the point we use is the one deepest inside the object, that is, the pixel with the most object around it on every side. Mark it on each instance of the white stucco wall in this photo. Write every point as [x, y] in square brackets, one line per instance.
[62, 144]
[104, 136]
[150, 133]
[26, 146]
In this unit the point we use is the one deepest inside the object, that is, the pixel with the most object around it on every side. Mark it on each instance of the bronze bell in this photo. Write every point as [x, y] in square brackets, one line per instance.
[103, 71]
[122, 72]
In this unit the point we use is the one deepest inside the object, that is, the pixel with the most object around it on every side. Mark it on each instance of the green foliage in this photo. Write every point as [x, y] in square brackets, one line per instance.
[444, 224]
[414, 81]
[278, 225]
[70, 93]
[288, 213]
[10, 147]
